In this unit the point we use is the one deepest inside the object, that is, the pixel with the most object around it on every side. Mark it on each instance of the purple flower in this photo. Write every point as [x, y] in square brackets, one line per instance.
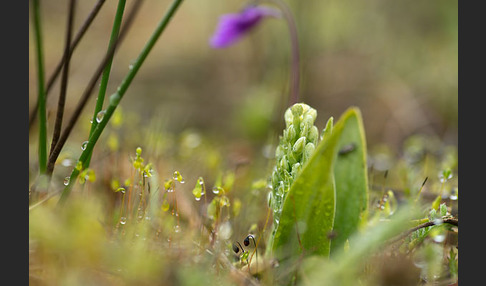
[232, 27]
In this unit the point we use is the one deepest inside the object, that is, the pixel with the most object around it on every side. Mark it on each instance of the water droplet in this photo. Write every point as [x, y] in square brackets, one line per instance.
[100, 115]
[454, 194]
[438, 221]
[66, 181]
[177, 228]
[217, 190]
[67, 162]
[439, 238]
[84, 145]
[197, 198]
[123, 220]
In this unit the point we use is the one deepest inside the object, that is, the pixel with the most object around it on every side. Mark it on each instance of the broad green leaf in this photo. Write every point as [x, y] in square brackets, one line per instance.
[308, 211]
[350, 176]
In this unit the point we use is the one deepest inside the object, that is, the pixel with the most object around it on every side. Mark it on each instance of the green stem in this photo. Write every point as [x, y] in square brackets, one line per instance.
[88, 91]
[40, 85]
[106, 72]
[116, 97]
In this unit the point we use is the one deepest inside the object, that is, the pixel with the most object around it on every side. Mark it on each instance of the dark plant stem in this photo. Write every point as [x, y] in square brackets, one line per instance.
[87, 93]
[116, 97]
[42, 149]
[64, 79]
[451, 221]
[59, 66]
[295, 52]
[106, 73]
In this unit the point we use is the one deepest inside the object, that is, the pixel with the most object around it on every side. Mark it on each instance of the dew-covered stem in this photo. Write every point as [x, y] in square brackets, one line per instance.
[87, 93]
[41, 98]
[82, 30]
[106, 72]
[116, 97]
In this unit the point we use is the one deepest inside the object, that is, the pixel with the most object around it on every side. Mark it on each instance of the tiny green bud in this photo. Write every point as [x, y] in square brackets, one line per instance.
[296, 169]
[432, 214]
[299, 145]
[283, 163]
[291, 133]
[297, 109]
[178, 177]
[313, 135]
[90, 175]
[436, 202]
[138, 151]
[197, 191]
[309, 150]
[289, 118]
[304, 128]
[115, 184]
[168, 184]
[165, 205]
[224, 201]
[279, 152]
[443, 210]
[311, 115]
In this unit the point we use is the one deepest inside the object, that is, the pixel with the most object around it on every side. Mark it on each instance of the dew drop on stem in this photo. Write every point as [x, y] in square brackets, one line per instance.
[100, 115]
[84, 145]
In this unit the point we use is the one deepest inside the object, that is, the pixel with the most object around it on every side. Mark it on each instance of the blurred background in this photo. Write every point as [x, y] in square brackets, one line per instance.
[396, 60]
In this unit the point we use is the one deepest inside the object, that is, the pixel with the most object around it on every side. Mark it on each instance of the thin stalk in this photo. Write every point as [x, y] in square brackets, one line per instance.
[64, 79]
[295, 52]
[106, 73]
[87, 93]
[42, 151]
[82, 30]
[116, 97]
[451, 221]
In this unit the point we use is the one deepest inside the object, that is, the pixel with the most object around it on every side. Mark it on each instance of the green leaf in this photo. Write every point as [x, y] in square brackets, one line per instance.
[350, 175]
[308, 211]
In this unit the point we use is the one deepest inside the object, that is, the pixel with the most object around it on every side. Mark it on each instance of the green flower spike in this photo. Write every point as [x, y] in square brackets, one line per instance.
[295, 147]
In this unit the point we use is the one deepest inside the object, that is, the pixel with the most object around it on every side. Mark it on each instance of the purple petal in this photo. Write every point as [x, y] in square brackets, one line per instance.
[232, 27]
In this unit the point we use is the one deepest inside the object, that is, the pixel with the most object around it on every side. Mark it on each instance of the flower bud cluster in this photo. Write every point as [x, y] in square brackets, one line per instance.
[296, 146]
